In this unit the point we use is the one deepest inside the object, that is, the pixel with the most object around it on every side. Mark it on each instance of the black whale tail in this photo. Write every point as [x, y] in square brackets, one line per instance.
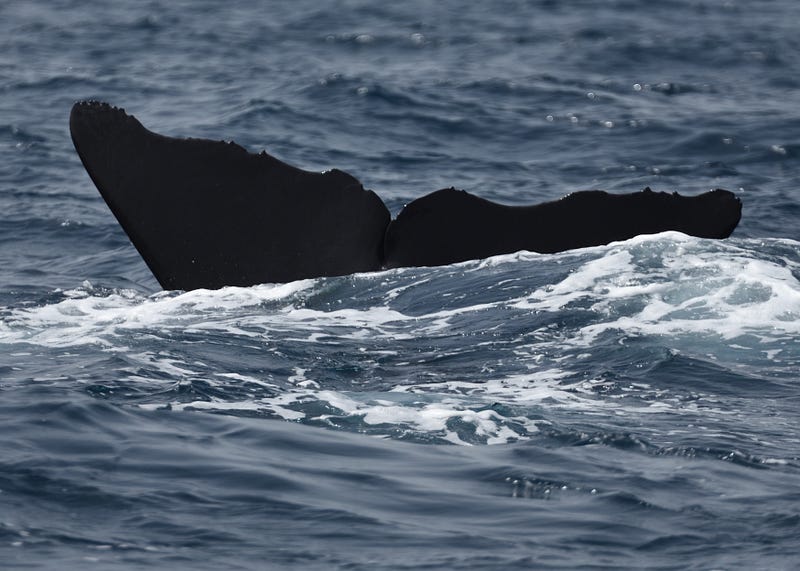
[208, 214]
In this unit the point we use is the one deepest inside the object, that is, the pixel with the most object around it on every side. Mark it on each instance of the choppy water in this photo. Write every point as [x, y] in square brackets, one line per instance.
[629, 406]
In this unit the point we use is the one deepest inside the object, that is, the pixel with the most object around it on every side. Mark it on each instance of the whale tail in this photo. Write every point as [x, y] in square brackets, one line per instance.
[208, 214]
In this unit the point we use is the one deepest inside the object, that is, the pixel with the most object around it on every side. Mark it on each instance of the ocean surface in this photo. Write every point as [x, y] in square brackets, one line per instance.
[631, 406]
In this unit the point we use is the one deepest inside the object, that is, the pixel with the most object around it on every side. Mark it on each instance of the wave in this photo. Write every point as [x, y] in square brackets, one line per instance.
[469, 353]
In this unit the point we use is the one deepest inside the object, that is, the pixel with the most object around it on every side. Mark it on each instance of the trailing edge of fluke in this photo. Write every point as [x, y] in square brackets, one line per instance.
[208, 214]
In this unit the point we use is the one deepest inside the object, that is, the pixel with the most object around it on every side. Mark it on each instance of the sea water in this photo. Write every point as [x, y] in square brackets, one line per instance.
[630, 406]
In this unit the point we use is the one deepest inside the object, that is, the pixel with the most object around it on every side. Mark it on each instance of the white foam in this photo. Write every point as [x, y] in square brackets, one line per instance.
[84, 318]
[722, 292]
[702, 297]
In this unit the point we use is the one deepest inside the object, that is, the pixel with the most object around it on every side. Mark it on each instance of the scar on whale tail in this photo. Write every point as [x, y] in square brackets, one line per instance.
[208, 214]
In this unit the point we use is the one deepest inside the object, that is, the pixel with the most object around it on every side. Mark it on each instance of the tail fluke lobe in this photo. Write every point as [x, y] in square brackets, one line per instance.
[210, 214]
[451, 225]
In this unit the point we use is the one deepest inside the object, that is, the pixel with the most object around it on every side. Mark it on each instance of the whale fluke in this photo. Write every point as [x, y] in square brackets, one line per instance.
[208, 214]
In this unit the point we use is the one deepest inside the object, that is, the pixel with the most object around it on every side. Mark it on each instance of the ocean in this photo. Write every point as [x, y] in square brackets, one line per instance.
[630, 406]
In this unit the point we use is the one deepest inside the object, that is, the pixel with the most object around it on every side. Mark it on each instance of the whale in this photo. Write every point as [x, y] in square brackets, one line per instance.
[210, 214]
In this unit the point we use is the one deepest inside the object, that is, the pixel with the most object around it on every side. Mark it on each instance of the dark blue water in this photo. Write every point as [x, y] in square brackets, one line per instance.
[633, 406]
